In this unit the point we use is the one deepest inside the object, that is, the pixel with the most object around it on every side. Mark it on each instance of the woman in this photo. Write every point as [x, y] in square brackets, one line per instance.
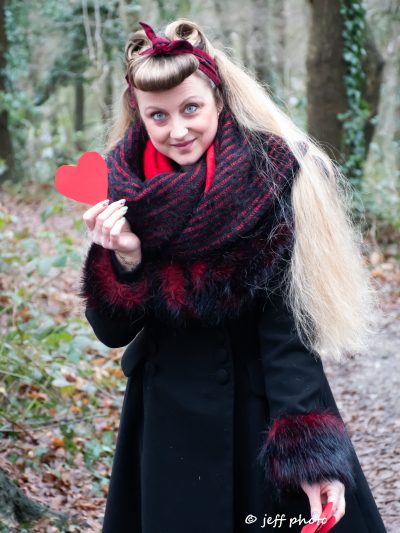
[233, 273]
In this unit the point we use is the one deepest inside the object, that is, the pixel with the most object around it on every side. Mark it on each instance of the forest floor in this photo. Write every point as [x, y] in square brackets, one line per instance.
[68, 469]
[366, 390]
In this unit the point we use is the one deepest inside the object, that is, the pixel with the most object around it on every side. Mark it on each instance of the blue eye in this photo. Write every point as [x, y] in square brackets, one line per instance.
[158, 116]
[192, 105]
[157, 113]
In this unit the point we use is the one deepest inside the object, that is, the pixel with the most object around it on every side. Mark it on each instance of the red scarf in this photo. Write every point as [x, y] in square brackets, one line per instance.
[154, 162]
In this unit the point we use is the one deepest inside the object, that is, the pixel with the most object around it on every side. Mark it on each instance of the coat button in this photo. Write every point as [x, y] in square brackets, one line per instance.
[222, 354]
[152, 368]
[222, 375]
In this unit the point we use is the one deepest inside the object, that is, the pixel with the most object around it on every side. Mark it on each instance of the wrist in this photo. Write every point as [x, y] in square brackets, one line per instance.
[128, 261]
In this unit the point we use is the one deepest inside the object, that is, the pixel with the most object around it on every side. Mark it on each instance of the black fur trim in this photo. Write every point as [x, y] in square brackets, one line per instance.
[309, 448]
[177, 291]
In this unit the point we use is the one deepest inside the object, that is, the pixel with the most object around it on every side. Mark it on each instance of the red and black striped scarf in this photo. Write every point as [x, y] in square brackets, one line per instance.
[207, 251]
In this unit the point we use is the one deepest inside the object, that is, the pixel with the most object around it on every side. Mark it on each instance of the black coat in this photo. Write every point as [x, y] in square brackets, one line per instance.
[198, 408]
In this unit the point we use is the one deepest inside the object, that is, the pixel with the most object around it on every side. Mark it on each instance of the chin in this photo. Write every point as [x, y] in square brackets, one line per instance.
[188, 160]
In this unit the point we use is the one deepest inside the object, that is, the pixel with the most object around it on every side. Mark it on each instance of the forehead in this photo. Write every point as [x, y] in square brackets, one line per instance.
[193, 86]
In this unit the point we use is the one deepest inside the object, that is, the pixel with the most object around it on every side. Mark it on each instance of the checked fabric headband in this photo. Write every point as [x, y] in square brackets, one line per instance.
[163, 46]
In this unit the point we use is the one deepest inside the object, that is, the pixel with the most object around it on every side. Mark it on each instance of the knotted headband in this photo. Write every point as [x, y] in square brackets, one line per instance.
[163, 46]
[205, 254]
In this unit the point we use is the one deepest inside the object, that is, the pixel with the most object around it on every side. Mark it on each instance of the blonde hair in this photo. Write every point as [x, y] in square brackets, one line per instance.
[327, 283]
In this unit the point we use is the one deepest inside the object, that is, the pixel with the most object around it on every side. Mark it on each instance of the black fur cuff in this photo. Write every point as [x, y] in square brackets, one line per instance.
[309, 448]
[101, 289]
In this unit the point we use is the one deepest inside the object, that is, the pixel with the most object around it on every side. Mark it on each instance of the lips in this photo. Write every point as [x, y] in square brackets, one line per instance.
[182, 145]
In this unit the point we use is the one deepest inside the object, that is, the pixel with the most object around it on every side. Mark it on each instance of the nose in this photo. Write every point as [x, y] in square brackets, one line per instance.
[178, 130]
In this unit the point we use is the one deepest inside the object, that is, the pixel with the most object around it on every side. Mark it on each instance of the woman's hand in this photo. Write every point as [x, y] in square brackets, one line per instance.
[109, 229]
[321, 493]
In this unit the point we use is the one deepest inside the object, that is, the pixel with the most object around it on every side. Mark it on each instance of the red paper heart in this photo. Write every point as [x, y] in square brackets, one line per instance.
[86, 182]
[319, 526]
[310, 528]
[328, 526]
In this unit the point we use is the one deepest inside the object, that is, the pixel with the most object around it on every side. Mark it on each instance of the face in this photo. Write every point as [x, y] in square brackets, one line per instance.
[187, 112]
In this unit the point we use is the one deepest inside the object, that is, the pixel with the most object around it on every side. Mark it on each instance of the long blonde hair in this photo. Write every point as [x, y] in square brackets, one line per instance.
[327, 283]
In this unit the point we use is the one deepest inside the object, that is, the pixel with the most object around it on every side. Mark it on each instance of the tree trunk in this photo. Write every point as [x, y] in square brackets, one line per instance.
[373, 67]
[79, 105]
[259, 60]
[234, 25]
[108, 93]
[16, 508]
[279, 18]
[326, 68]
[396, 135]
[6, 149]
[79, 111]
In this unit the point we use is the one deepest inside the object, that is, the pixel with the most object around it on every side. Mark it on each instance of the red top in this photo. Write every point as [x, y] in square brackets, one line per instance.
[154, 162]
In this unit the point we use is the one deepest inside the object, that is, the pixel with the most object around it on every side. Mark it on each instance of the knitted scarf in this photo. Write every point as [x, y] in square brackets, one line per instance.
[212, 236]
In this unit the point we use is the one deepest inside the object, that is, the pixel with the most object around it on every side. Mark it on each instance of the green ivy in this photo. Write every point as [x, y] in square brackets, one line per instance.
[357, 114]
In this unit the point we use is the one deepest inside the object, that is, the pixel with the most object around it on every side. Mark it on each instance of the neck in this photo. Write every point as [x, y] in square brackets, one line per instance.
[180, 167]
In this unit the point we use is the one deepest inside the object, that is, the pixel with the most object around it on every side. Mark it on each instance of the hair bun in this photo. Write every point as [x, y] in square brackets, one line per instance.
[188, 30]
[137, 41]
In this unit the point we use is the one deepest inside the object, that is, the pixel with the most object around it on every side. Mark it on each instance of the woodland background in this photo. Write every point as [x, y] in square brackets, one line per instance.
[332, 65]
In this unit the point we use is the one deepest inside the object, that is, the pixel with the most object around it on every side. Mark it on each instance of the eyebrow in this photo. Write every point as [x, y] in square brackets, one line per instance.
[185, 100]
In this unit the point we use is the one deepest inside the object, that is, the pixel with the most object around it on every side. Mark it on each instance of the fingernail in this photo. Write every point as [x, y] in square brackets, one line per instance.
[124, 209]
[122, 201]
[105, 202]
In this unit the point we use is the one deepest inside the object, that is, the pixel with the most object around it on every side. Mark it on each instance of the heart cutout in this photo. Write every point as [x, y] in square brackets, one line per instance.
[328, 526]
[86, 182]
[318, 527]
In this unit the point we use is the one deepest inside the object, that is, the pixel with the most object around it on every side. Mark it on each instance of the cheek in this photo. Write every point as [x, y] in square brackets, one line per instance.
[210, 126]
[156, 134]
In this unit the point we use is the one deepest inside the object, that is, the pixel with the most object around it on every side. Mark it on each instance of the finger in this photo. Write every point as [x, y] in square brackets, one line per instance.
[123, 239]
[103, 216]
[89, 216]
[333, 499]
[334, 492]
[340, 510]
[109, 223]
[314, 497]
[112, 238]
[115, 231]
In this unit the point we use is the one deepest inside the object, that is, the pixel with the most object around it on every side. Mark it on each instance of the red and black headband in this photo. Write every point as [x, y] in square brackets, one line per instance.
[163, 46]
